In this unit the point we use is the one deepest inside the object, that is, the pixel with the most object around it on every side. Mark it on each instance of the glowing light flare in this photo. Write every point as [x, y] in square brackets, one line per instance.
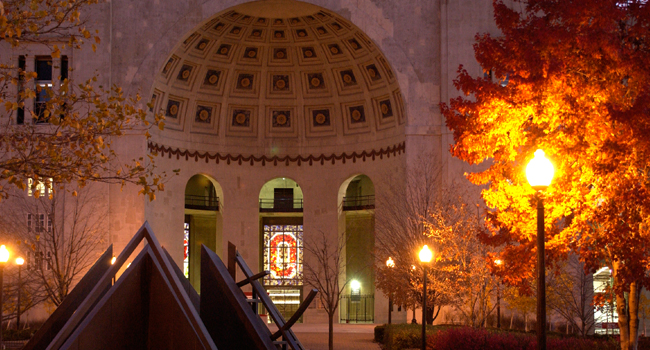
[113, 260]
[4, 254]
[498, 262]
[540, 171]
[426, 254]
[390, 263]
[20, 261]
[355, 286]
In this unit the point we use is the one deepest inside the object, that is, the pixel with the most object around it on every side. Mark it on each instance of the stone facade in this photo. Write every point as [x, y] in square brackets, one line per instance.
[318, 92]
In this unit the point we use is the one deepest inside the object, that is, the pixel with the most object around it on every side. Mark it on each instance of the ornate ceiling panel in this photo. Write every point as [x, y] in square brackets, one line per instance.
[311, 80]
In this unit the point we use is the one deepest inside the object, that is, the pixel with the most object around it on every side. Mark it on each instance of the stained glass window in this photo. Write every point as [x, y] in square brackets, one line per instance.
[186, 248]
[283, 255]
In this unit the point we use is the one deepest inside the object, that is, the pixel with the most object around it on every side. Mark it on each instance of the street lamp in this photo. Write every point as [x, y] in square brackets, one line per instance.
[425, 257]
[4, 257]
[390, 264]
[498, 262]
[540, 174]
[19, 261]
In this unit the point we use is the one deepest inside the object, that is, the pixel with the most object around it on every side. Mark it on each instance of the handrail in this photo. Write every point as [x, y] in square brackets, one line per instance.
[281, 204]
[201, 202]
[359, 202]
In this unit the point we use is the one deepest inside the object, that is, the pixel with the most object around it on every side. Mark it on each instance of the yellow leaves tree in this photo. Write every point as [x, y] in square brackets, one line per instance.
[71, 135]
[573, 78]
[418, 209]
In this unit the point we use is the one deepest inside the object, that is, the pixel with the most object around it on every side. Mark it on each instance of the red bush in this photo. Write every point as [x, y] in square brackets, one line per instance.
[471, 338]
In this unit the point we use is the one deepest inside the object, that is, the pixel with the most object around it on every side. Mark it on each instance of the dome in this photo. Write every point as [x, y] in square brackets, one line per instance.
[278, 77]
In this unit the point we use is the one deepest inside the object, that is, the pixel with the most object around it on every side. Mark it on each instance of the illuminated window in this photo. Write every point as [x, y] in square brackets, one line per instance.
[186, 247]
[40, 187]
[283, 254]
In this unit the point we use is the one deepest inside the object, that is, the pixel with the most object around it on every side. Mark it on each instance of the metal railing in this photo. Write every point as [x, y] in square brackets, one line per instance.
[201, 202]
[357, 308]
[281, 205]
[359, 202]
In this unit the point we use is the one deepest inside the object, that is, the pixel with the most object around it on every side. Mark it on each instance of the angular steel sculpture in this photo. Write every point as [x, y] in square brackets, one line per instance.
[153, 306]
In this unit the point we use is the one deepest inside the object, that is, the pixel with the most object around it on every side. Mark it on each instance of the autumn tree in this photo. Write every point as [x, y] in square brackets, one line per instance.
[523, 303]
[59, 234]
[419, 209]
[571, 296]
[68, 135]
[572, 78]
[326, 272]
[30, 293]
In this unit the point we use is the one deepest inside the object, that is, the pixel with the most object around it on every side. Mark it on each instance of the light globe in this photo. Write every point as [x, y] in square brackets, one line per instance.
[390, 262]
[20, 261]
[355, 285]
[426, 254]
[4, 254]
[540, 171]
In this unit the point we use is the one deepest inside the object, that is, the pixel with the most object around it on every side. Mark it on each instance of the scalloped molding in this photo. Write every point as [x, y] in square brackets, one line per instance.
[161, 150]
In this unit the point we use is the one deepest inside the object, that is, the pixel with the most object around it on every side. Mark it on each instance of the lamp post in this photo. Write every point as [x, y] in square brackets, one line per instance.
[498, 262]
[413, 320]
[4, 257]
[425, 257]
[540, 173]
[19, 261]
[390, 264]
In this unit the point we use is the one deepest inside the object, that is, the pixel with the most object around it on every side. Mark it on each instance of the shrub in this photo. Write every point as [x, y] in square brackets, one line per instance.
[12, 334]
[471, 338]
[403, 336]
[379, 333]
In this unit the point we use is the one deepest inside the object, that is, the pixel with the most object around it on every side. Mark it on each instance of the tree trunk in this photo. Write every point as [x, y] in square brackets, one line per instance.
[432, 314]
[526, 322]
[330, 317]
[633, 309]
[628, 312]
[623, 323]
[512, 318]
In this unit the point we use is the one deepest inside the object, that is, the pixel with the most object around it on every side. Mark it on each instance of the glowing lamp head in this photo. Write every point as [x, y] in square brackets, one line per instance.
[390, 263]
[4, 254]
[355, 285]
[113, 260]
[539, 171]
[498, 262]
[426, 254]
[20, 261]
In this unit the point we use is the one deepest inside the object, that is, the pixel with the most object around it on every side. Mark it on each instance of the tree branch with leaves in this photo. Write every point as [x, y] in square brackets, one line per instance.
[69, 135]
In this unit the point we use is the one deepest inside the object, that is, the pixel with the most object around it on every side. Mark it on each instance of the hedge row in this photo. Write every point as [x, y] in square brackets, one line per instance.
[449, 337]
[12, 334]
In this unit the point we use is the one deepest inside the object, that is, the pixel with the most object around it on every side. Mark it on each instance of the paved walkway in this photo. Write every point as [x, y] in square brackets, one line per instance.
[346, 336]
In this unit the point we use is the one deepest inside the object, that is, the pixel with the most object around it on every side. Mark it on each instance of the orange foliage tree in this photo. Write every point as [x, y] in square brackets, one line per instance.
[572, 78]
[71, 135]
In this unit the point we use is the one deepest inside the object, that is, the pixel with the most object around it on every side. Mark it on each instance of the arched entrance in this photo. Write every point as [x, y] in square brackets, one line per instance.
[202, 225]
[281, 242]
[357, 218]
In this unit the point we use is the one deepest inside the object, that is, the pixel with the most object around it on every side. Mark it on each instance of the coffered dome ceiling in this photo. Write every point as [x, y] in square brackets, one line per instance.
[278, 77]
